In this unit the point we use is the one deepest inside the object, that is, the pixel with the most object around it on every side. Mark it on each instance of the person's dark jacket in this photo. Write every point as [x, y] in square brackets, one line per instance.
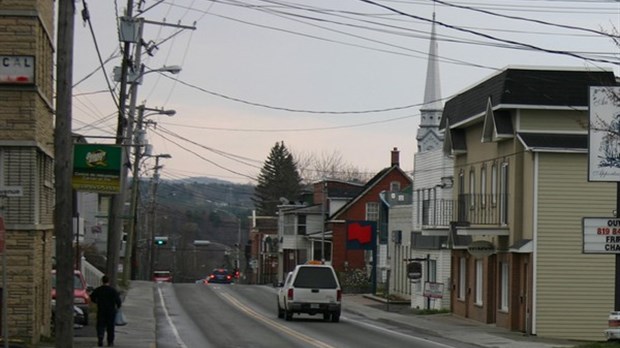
[107, 300]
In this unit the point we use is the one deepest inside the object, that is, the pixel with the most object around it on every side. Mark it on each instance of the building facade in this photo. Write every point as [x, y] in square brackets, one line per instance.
[519, 142]
[26, 162]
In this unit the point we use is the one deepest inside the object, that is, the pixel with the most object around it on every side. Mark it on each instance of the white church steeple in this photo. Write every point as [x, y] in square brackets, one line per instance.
[428, 136]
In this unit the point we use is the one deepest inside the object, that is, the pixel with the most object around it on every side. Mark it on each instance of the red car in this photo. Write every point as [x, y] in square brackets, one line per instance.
[162, 277]
[81, 297]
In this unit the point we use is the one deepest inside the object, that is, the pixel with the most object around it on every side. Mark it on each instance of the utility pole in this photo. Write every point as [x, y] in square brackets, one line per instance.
[154, 184]
[118, 200]
[125, 128]
[131, 233]
[133, 200]
[63, 165]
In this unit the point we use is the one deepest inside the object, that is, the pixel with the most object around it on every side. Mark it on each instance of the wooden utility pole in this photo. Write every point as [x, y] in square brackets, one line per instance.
[118, 200]
[63, 165]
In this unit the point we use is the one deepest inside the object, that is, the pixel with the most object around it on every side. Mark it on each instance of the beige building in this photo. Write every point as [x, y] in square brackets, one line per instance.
[26, 162]
[521, 190]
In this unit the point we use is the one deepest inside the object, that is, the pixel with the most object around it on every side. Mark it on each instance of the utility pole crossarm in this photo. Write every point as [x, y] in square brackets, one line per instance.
[170, 25]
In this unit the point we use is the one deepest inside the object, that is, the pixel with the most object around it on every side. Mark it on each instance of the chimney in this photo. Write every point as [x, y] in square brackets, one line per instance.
[395, 157]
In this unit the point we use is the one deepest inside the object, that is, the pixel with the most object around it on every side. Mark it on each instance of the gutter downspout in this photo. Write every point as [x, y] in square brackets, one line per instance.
[535, 245]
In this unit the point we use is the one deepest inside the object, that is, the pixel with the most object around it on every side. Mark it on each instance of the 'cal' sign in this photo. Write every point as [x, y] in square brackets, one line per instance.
[16, 69]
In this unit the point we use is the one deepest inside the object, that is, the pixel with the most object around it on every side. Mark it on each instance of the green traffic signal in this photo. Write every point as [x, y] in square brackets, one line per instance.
[161, 240]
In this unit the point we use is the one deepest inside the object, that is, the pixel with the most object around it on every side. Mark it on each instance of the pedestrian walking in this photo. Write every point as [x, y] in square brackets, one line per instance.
[108, 301]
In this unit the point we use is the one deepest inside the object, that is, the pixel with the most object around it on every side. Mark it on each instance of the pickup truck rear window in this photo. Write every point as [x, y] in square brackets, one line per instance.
[315, 278]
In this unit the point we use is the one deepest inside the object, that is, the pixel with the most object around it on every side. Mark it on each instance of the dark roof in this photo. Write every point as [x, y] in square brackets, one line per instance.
[542, 141]
[370, 184]
[342, 192]
[521, 86]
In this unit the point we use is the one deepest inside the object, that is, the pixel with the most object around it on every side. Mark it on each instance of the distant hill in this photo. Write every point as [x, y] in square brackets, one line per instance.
[204, 192]
[201, 180]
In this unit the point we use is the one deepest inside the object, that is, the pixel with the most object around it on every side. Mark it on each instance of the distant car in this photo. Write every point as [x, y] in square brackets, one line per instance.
[81, 297]
[310, 289]
[221, 276]
[162, 277]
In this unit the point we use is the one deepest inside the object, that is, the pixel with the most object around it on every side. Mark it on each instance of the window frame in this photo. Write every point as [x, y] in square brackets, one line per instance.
[472, 188]
[503, 191]
[478, 299]
[462, 278]
[504, 286]
[494, 177]
[483, 186]
[395, 186]
[372, 211]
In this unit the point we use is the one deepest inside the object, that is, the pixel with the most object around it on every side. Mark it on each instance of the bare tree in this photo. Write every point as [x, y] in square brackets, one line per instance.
[315, 167]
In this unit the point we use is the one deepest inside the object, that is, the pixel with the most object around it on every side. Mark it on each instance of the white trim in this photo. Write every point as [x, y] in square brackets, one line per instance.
[499, 231]
[535, 244]
[435, 232]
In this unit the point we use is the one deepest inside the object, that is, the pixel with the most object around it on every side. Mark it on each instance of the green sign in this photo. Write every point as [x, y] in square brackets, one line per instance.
[97, 168]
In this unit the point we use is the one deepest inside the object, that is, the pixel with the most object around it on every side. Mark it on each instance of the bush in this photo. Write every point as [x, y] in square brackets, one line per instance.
[355, 281]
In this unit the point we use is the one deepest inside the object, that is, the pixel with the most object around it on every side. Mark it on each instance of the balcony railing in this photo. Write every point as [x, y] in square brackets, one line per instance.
[436, 212]
[472, 209]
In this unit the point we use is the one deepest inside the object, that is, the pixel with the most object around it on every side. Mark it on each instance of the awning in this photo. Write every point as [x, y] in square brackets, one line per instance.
[523, 246]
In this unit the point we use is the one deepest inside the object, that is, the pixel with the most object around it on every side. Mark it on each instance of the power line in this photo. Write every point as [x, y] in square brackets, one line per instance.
[491, 37]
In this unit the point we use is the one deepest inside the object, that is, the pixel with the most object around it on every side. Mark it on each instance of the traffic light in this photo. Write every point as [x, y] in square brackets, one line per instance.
[161, 240]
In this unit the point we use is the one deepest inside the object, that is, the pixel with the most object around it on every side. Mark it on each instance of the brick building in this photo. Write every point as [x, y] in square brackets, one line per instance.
[26, 162]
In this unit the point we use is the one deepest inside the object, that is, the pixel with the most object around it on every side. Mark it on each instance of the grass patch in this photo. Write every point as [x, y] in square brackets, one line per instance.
[430, 311]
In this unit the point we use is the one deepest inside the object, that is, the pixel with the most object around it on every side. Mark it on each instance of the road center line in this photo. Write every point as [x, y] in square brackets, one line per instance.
[273, 324]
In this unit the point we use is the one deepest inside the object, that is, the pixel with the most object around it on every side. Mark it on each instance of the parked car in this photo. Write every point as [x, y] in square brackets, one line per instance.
[78, 317]
[310, 289]
[220, 275]
[162, 277]
[81, 297]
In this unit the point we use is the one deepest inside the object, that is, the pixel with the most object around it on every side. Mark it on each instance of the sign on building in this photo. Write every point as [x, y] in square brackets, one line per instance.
[97, 168]
[16, 69]
[604, 134]
[433, 290]
[601, 235]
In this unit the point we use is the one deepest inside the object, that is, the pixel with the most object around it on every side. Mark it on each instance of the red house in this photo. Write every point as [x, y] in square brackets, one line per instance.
[364, 207]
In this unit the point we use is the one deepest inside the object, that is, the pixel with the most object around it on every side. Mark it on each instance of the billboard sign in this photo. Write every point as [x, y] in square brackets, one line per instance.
[604, 134]
[361, 235]
[601, 235]
[97, 168]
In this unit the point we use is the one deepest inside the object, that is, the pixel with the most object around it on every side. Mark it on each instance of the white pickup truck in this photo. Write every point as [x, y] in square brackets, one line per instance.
[310, 289]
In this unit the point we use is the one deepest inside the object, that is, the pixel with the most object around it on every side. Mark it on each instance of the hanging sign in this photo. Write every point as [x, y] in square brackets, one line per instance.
[481, 248]
[97, 168]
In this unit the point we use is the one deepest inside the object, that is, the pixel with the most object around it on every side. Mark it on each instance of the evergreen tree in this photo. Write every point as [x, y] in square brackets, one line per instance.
[278, 178]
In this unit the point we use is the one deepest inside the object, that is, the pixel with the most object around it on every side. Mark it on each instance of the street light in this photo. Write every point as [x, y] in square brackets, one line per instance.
[127, 269]
[118, 200]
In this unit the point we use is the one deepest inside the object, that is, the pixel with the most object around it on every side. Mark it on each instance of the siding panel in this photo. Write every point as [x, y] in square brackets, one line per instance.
[575, 291]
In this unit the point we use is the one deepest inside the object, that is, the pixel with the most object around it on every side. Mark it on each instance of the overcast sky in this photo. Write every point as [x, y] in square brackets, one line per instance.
[310, 72]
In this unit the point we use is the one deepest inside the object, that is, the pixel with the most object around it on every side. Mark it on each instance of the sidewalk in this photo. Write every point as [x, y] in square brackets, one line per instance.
[447, 325]
[138, 307]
